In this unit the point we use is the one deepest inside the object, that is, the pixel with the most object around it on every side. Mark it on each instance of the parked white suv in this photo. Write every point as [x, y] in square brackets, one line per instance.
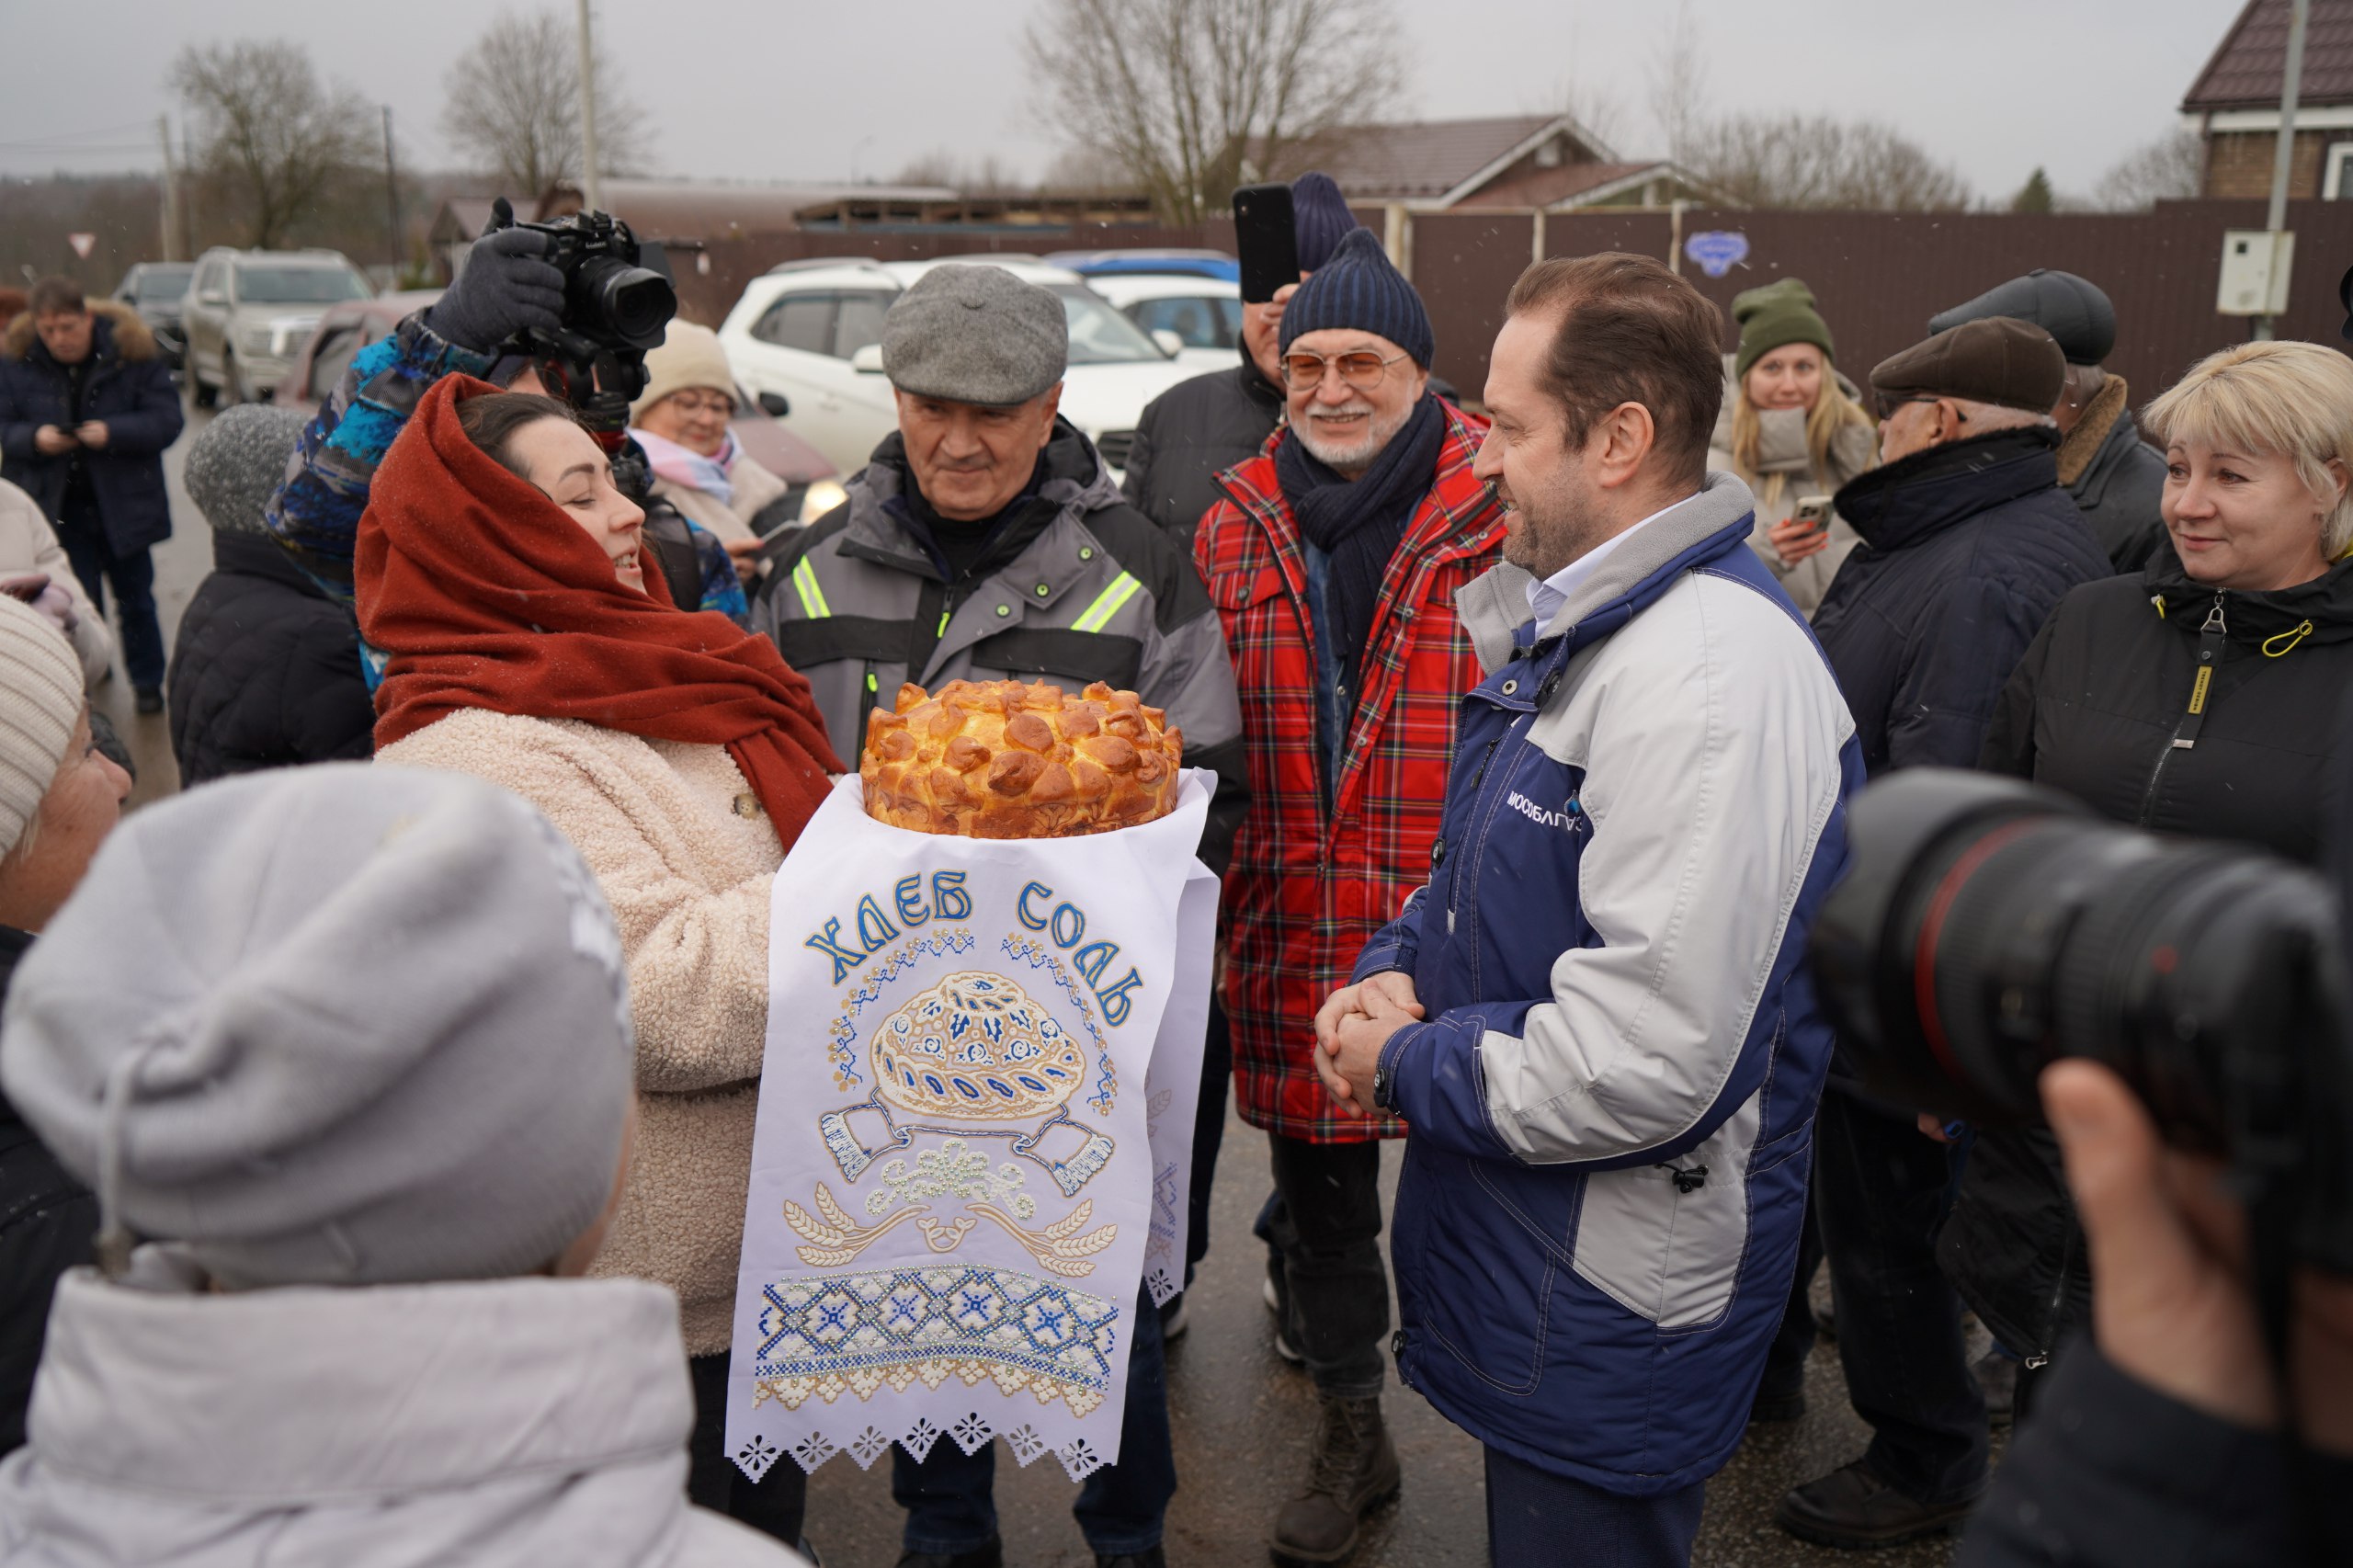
[809, 333]
[248, 314]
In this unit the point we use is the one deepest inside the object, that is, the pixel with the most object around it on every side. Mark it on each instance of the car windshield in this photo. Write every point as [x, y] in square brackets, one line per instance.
[298, 285]
[157, 284]
[1101, 335]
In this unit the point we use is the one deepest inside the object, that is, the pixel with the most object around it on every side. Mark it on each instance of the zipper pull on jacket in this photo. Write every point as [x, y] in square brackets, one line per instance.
[2211, 640]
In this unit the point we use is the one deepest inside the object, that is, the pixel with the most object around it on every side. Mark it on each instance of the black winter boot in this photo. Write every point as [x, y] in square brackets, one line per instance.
[1351, 1471]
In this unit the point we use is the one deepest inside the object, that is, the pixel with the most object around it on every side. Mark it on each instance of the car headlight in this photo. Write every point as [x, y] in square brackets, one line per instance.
[255, 340]
[822, 497]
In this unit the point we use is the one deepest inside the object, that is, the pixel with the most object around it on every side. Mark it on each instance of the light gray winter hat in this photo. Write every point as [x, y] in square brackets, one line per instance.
[967, 333]
[237, 462]
[343, 1025]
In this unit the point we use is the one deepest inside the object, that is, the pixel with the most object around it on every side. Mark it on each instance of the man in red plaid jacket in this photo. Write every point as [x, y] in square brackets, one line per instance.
[1333, 560]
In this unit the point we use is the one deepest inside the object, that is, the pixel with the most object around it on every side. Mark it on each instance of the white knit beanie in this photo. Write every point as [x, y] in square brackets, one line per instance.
[40, 701]
[689, 357]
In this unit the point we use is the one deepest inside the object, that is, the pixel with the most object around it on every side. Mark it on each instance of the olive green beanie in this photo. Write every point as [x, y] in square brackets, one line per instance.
[1776, 314]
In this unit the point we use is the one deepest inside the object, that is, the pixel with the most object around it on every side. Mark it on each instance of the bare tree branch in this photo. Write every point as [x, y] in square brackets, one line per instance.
[271, 138]
[1678, 84]
[2173, 166]
[1192, 97]
[1816, 162]
[513, 107]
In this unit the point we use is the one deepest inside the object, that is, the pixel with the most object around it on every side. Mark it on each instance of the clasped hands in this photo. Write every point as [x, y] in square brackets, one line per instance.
[1353, 1026]
[55, 441]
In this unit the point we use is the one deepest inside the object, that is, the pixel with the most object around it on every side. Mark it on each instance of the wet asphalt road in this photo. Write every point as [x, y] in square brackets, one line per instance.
[1242, 1417]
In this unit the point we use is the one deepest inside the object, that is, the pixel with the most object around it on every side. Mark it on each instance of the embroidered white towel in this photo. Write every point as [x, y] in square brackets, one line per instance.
[975, 1135]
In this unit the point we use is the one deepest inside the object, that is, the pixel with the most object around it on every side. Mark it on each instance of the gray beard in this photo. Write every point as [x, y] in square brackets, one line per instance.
[1350, 460]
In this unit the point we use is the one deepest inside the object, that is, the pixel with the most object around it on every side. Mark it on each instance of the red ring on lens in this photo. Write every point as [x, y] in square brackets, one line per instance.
[1924, 968]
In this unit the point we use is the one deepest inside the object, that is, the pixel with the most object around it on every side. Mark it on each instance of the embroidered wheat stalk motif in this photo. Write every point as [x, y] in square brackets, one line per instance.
[1058, 1247]
[838, 1237]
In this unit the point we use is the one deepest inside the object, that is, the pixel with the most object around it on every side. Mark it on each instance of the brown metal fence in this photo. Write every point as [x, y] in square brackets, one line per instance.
[1879, 275]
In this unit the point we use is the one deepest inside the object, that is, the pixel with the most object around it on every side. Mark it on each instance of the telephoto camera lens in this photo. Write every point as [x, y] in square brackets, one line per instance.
[1986, 926]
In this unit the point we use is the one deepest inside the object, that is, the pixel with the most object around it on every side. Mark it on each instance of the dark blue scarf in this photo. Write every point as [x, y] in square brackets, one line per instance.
[1359, 523]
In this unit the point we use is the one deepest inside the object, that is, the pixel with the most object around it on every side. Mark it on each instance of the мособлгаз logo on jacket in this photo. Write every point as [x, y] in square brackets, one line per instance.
[1568, 818]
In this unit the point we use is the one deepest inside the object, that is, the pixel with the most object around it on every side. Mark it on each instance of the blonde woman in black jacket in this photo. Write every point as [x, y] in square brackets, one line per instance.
[2198, 697]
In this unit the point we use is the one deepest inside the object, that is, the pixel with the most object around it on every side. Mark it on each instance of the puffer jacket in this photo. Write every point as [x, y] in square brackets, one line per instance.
[315, 513]
[1191, 434]
[2098, 708]
[47, 1222]
[266, 671]
[128, 389]
[1075, 586]
[519, 1422]
[2101, 700]
[1781, 449]
[1966, 550]
[2117, 480]
[1611, 1097]
[1309, 885]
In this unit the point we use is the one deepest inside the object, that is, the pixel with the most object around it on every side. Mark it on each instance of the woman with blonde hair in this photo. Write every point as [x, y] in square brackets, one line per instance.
[2196, 698]
[1792, 426]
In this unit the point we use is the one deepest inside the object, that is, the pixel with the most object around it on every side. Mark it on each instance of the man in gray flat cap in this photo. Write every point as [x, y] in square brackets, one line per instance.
[986, 540]
[2114, 478]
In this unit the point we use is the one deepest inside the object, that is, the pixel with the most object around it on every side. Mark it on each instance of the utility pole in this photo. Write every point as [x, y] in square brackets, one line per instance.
[188, 215]
[171, 192]
[591, 184]
[2290, 88]
[393, 201]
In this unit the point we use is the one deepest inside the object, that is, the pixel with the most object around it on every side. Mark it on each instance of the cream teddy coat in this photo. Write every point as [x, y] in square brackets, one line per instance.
[685, 856]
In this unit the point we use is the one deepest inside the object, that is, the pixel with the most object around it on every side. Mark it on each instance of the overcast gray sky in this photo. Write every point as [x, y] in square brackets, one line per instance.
[772, 89]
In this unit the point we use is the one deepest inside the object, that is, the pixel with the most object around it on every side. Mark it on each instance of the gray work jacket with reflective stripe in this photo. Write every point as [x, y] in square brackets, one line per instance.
[1099, 594]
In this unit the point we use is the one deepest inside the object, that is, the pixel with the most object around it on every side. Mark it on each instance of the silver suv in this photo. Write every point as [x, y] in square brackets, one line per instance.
[248, 314]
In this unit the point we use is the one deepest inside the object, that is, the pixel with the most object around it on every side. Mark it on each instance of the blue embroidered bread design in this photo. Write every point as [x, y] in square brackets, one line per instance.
[975, 1047]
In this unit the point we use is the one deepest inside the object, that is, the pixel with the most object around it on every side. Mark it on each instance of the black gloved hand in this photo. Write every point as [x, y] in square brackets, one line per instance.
[506, 288]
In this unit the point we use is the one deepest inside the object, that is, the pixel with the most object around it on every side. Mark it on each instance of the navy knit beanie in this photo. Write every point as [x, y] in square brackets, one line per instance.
[1358, 290]
[1320, 219]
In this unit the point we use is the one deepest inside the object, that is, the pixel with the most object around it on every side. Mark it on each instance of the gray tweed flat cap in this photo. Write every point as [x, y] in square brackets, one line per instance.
[966, 333]
[237, 462]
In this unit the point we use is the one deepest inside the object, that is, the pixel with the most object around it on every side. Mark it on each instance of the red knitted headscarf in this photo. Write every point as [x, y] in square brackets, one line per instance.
[486, 595]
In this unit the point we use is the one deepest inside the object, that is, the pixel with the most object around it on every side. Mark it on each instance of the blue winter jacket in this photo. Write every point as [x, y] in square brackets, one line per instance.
[128, 389]
[1611, 1097]
[315, 512]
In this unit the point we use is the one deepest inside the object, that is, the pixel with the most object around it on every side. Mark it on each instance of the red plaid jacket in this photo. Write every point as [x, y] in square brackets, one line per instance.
[1306, 893]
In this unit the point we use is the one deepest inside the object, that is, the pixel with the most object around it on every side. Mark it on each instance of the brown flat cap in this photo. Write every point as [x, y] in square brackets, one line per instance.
[1996, 360]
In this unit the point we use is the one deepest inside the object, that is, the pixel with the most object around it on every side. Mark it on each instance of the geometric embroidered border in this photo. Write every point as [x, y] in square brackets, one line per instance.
[859, 1332]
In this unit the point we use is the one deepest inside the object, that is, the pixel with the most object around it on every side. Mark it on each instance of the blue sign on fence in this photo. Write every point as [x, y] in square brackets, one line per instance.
[1717, 251]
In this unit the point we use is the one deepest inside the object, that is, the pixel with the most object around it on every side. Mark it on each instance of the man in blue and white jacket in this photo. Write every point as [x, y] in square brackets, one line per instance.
[1595, 1016]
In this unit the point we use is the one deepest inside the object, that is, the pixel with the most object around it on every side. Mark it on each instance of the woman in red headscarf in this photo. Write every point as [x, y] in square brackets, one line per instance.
[529, 641]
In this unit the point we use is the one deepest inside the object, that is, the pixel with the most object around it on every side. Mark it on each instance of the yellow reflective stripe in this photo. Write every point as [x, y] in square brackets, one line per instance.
[812, 598]
[1107, 604]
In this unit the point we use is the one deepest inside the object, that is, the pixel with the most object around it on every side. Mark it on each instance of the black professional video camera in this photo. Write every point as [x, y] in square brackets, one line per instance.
[1986, 926]
[614, 310]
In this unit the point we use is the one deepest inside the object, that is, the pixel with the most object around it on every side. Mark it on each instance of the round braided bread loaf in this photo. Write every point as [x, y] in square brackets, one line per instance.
[1007, 760]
